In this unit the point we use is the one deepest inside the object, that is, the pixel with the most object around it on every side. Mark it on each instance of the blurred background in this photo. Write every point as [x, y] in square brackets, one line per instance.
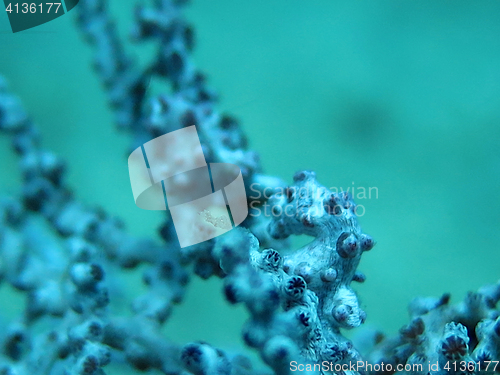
[399, 96]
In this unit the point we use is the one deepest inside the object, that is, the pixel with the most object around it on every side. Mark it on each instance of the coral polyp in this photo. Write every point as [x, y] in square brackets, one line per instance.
[69, 259]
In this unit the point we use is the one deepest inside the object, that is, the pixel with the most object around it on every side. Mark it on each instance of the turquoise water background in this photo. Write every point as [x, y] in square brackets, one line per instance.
[399, 96]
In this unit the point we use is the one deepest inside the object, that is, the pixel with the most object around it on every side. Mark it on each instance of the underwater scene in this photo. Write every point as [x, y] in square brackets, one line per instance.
[263, 187]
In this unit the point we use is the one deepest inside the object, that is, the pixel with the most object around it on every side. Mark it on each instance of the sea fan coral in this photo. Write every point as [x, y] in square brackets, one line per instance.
[67, 258]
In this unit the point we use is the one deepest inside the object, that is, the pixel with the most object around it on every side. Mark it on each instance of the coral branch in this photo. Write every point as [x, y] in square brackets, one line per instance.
[67, 258]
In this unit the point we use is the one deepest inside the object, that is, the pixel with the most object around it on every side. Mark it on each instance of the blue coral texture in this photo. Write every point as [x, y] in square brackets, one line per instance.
[368, 138]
